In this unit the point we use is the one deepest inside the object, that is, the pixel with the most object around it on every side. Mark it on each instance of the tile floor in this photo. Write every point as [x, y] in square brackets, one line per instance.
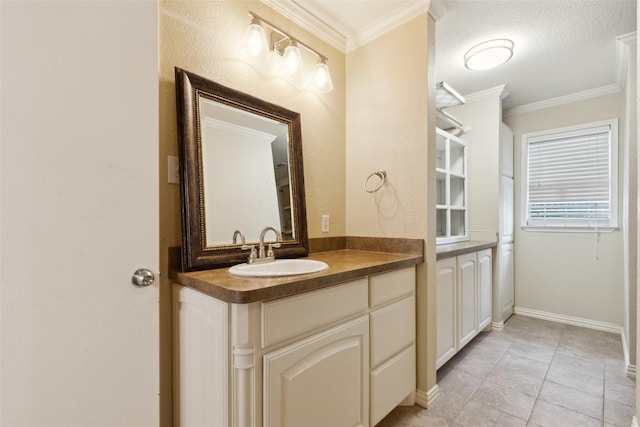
[532, 373]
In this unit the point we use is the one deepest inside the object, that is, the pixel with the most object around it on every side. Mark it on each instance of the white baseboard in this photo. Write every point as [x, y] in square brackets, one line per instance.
[498, 326]
[629, 367]
[569, 320]
[634, 422]
[426, 399]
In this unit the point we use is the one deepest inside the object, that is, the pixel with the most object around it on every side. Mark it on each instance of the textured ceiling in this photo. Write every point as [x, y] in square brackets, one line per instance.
[561, 46]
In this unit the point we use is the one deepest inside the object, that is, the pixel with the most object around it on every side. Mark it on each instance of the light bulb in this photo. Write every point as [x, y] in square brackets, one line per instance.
[322, 77]
[292, 60]
[254, 44]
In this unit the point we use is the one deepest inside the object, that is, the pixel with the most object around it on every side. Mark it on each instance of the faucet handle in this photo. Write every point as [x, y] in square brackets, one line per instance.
[270, 249]
[253, 255]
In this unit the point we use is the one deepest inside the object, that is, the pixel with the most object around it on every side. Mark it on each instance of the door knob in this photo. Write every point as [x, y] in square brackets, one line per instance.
[143, 277]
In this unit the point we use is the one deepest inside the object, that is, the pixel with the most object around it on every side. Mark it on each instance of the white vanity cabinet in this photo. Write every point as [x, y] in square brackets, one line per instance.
[464, 288]
[343, 355]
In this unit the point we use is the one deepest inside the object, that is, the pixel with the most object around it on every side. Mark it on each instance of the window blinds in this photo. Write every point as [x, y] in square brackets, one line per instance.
[569, 176]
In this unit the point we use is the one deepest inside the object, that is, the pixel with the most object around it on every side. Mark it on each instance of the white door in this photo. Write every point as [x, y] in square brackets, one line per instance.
[79, 213]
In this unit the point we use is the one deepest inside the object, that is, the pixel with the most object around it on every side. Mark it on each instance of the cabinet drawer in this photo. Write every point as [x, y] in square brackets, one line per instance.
[391, 383]
[393, 328]
[389, 286]
[292, 316]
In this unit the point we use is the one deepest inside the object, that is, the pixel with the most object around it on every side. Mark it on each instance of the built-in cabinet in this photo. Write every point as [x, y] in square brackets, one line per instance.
[464, 288]
[342, 355]
[451, 188]
[490, 195]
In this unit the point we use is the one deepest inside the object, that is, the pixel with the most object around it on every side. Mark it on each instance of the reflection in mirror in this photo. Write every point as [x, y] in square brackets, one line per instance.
[241, 168]
[250, 152]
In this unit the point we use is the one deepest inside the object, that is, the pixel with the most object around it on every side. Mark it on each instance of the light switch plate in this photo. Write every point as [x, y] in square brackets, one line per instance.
[325, 223]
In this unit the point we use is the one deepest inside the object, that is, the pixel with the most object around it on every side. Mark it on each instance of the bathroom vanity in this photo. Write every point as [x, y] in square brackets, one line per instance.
[334, 348]
[329, 348]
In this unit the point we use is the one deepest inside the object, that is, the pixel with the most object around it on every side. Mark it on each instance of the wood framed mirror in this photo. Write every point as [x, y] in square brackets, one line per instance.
[241, 170]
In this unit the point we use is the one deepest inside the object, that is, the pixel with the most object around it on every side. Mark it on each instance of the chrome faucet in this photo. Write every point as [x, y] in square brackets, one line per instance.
[259, 257]
[270, 255]
[237, 234]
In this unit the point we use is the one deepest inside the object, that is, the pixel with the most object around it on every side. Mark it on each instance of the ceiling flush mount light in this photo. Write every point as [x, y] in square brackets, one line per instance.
[254, 45]
[489, 54]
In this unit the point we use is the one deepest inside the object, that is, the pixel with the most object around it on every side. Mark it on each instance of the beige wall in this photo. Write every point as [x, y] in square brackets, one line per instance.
[204, 37]
[558, 272]
[388, 129]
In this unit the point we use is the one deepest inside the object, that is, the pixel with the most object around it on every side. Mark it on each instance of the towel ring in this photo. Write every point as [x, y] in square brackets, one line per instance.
[380, 174]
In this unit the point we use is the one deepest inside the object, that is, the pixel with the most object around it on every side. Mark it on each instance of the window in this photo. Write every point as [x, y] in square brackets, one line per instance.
[570, 177]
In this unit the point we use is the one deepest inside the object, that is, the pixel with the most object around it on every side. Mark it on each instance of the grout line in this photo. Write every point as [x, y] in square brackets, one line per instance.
[510, 339]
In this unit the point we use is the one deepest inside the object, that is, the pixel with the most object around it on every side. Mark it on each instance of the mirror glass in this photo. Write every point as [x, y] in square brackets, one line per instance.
[250, 152]
[241, 169]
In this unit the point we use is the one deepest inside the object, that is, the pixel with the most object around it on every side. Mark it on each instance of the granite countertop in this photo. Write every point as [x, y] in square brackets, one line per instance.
[344, 265]
[454, 249]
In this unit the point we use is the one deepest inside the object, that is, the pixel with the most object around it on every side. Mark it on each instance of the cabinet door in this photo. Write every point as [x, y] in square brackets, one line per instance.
[507, 279]
[320, 381]
[506, 209]
[446, 309]
[467, 298]
[485, 282]
[506, 150]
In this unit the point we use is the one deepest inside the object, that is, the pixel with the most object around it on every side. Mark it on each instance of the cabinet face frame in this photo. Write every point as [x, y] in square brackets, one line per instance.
[451, 188]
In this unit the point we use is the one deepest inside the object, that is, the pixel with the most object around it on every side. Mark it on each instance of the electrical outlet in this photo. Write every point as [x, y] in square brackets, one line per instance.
[173, 170]
[325, 223]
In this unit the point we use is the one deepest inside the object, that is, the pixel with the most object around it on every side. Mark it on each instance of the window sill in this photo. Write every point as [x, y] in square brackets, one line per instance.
[568, 229]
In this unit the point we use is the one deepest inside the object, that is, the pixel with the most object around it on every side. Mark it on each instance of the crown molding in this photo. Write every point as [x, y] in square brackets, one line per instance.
[438, 9]
[561, 100]
[307, 20]
[623, 44]
[299, 15]
[500, 91]
[405, 14]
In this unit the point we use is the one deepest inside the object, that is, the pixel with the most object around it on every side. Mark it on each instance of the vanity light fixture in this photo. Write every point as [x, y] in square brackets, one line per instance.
[288, 48]
[489, 54]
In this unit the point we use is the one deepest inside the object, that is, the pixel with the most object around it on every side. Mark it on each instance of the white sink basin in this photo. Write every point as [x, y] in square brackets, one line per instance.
[280, 267]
